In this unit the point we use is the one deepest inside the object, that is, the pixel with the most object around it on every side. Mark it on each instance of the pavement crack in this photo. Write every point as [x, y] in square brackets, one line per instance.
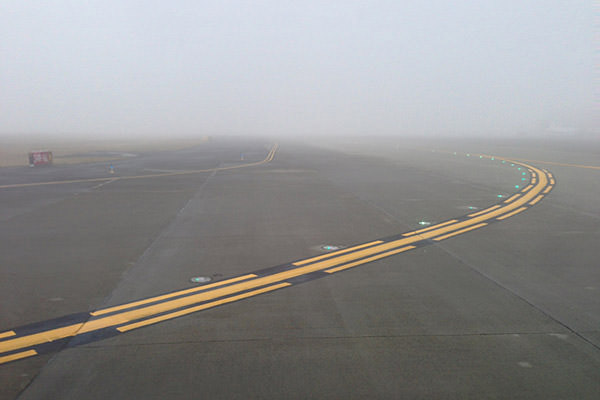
[336, 337]
[130, 270]
[522, 298]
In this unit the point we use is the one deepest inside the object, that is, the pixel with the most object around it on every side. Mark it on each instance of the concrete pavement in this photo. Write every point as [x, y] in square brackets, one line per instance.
[508, 311]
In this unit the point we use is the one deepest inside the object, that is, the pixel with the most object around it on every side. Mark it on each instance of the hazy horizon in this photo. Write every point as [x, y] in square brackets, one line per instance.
[271, 68]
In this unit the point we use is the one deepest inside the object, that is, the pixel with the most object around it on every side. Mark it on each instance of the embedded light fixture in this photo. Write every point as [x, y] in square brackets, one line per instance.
[200, 279]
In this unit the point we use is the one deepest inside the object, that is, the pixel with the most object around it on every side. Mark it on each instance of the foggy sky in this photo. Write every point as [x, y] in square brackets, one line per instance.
[297, 68]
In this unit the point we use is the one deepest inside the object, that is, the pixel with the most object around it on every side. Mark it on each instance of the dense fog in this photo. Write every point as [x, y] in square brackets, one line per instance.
[152, 68]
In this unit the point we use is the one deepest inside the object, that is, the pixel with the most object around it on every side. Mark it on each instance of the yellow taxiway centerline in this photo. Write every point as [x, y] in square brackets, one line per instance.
[485, 211]
[348, 258]
[39, 338]
[511, 198]
[460, 231]
[430, 228]
[369, 259]
[176, 314]
[510, 214]
[534, 201]
[162, 307]
[335, 253]
[170, 295]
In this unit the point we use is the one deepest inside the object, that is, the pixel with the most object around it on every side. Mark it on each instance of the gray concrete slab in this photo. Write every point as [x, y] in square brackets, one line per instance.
[508, 311]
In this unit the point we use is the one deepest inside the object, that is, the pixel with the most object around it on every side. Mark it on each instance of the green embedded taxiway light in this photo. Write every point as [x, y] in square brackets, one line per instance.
[500, 195]
[516, 186]
[425, 223]
[200, 279]
[503, 161]
[468, 155]
[492, 158]
[512, 165]
[523, 173]
[480, 156]
[523, 179]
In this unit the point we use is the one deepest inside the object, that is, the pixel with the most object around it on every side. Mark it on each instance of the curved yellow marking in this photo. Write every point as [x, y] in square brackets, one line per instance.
[201, 307]
[534, 201]
[485, 211]
[369, 259]
[170, 295]
[460, 231]
[548, 163]
[430, 228]
[342, 259]
[335, 253]
[510, 214]
[511, 198]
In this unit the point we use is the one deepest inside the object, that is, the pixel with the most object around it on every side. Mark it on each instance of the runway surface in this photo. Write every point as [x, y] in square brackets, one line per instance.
[255, 268]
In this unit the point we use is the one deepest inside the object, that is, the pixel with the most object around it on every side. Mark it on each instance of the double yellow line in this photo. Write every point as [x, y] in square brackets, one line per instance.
[150, 311]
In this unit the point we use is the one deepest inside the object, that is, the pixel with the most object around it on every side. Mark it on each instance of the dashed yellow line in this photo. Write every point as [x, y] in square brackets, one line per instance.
[7, 334]
[17, 356]
[511, 198]
[171, 295]
[430, 228]
[190, 310]
[460, 231]
[335, 253]
[369, 259]
[510, 214]
[485, 211]
[534, 201]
